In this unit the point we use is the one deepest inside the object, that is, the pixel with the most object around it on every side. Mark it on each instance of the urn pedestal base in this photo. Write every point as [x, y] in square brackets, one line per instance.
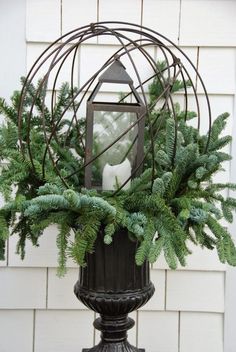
[136, 350]
[114, 335]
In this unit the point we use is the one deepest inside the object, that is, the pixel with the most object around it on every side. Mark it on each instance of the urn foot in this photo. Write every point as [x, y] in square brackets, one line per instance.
[127, 348]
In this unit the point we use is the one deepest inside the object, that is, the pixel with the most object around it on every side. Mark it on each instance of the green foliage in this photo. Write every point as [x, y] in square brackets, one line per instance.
[62, 244]
[224, 243]
[180, 205]
[85, 236]
[109, 232]
[145, 245]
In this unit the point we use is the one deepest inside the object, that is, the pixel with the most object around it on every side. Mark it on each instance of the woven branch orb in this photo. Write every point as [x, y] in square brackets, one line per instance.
[144, 54]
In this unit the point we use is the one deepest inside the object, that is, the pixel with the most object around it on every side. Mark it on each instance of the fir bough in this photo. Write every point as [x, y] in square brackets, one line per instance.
[182, 204]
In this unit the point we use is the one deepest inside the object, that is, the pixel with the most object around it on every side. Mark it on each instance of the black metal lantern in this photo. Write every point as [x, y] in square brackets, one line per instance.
[114, 135]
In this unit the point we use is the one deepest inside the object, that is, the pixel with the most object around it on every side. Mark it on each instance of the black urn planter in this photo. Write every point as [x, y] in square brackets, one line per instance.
[113, 285]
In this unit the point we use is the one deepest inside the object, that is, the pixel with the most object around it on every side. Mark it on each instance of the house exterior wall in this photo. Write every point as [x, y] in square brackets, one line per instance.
[191, 306]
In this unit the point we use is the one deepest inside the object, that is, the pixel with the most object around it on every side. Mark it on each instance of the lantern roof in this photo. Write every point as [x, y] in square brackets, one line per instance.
[116, 73]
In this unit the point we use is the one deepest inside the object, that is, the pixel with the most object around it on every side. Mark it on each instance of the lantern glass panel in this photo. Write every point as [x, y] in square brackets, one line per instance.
[112, 168]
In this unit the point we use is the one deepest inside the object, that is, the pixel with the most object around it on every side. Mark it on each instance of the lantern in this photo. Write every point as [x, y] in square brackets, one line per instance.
[114, 135]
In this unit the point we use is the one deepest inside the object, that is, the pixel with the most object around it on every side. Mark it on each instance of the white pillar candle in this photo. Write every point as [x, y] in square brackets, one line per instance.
[113, 174]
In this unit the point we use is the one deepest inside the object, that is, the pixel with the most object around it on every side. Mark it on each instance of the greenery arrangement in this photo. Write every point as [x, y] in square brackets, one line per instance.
[182, 204]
